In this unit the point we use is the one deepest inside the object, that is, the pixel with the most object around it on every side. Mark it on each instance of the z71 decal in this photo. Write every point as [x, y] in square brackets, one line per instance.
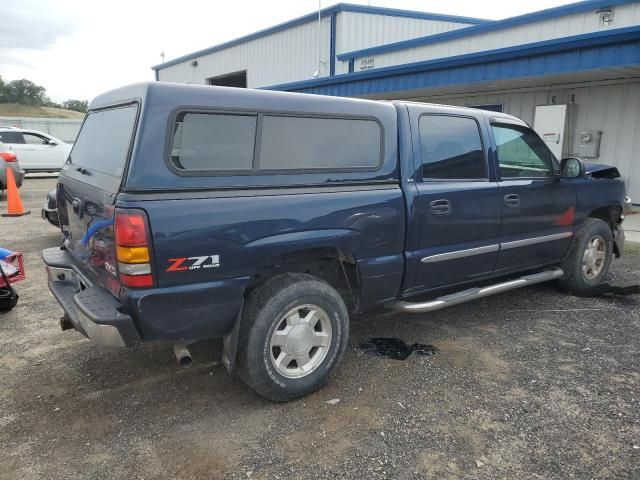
[193, 263]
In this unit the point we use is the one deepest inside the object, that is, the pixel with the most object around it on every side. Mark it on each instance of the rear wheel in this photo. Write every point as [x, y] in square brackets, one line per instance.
[589, 262]
[293, 335]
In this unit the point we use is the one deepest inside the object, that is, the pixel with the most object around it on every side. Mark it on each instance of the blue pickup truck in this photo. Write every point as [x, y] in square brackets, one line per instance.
[267, 218]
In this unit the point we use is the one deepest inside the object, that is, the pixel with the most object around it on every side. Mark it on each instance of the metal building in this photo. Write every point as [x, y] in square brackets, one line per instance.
[573, 72]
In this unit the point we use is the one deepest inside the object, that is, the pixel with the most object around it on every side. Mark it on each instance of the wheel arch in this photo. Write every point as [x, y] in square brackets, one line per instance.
[611, 215]
[334, 265]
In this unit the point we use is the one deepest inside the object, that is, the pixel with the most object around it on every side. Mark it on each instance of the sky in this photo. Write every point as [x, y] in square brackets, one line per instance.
[81, 48]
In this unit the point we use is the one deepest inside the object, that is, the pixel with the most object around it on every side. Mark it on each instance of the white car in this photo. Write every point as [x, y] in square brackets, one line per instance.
[37, 151]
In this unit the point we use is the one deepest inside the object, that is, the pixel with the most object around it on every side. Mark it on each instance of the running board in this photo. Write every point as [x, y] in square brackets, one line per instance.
[475, 293]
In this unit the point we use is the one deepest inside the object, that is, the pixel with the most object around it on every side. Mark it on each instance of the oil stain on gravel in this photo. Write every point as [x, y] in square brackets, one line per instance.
[395, 348]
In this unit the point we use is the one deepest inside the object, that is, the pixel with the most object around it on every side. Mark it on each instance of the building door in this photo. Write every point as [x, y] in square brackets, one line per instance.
[550, 123]
[235, 79]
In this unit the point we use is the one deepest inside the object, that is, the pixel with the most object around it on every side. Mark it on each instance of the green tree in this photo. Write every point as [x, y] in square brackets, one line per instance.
[25, 92]
[76, 105]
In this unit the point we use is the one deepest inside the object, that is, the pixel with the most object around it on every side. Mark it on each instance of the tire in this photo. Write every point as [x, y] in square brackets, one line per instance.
[275, 332]
[8, 299]
[588, 263]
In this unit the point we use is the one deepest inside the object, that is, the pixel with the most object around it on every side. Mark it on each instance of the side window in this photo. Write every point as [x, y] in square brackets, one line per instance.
[11, 137]
[451, 148]
[208, 141]
[521, 153]
[303, 143]
[33, 139]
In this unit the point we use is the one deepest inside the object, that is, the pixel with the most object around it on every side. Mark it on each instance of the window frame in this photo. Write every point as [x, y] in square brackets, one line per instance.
[255, 169]
[482, 145]
[507, 123]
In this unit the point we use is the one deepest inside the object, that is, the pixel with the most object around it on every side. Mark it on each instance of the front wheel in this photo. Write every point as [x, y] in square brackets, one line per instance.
[293, 335]
[588, 264]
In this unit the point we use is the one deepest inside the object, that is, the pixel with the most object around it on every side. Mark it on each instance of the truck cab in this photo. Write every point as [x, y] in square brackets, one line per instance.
[267, 218]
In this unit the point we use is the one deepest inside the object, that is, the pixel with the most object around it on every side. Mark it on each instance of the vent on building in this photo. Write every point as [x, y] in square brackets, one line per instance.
[235, 79]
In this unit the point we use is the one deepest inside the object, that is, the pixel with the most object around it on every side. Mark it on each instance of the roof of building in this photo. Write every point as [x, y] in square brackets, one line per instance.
[340, 7]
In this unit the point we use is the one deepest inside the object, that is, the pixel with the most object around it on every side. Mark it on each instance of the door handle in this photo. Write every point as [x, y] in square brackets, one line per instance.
[440, 207]
[512, 200]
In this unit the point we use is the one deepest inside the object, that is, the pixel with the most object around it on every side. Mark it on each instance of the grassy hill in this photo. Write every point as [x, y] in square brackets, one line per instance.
[17, 110]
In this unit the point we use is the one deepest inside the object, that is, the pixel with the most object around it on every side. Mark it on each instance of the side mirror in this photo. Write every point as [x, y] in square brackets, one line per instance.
[51, 142]
[572, 168]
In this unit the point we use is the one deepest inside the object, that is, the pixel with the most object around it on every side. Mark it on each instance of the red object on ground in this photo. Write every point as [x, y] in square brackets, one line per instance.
[17, 261]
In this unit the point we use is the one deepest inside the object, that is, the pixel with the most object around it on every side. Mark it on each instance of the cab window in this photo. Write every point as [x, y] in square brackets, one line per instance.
[451, 148]
[521, 153]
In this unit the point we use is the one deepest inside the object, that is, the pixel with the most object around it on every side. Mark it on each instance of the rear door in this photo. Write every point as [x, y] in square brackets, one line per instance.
[458, 199]
[538, 206]
[88, 185]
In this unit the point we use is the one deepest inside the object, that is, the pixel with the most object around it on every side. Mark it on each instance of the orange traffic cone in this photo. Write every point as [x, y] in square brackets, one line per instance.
[14, 204]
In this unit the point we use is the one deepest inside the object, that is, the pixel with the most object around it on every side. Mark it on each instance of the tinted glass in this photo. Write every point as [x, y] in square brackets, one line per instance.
[205, 141]
[104, 140]
[451, 148]
[11, 137]
[521, 153]
[300, 143]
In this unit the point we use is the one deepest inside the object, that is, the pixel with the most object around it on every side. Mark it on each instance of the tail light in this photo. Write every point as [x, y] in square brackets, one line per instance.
[133, 248]
[8, 156]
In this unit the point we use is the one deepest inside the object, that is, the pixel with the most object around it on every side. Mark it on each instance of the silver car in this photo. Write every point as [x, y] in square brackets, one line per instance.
[8, 159]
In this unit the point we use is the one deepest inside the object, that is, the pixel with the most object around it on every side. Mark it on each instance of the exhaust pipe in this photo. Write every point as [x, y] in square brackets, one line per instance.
[183, 355]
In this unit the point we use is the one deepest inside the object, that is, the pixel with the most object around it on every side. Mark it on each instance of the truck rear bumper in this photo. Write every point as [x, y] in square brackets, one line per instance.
[92, 310]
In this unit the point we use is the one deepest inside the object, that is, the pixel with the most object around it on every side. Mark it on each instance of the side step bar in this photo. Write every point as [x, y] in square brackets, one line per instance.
[475, 293]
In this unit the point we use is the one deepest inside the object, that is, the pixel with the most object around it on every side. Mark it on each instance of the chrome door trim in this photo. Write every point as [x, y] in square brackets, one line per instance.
[535, 240]
[470, 252]
[441, 257]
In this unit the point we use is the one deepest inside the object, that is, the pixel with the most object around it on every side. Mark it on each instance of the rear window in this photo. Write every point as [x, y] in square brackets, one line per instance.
[451, 148]
[11, 137]
[104, 140]
[266, 142]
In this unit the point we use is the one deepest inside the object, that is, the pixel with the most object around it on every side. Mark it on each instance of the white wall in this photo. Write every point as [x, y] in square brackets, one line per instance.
[292, 55]
[625, 16]
[64, 129]
[612, 108]
[287, 56]
[356, 31]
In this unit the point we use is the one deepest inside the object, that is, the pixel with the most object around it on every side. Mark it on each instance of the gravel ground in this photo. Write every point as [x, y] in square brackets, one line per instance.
[528, 384]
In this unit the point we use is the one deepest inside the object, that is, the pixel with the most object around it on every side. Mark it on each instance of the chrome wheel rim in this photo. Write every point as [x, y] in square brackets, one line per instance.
[300, 342]
[593, 258]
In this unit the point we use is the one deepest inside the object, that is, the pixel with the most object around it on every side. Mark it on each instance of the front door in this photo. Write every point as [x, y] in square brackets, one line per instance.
[41, 155]
[538, 207]
[459, 205]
